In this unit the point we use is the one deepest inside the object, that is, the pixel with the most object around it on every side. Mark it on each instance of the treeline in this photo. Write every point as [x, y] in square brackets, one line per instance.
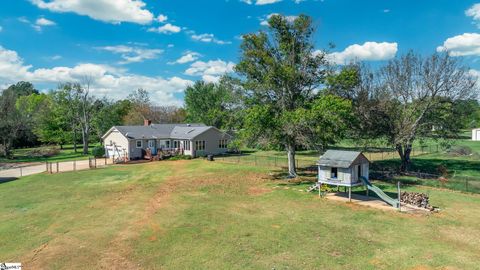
[71, 115]
[284, 95]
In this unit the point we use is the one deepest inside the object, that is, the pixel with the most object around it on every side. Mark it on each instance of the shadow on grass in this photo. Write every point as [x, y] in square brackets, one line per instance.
[7, 179]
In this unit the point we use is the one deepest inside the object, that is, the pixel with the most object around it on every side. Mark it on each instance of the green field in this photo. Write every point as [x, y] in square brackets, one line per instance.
[65, 154]
[212, 215]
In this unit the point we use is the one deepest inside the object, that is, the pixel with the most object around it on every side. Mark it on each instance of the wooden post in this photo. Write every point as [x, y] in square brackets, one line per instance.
[399, 196]
[57, 167]
[350, 194]
[95, 159]
[51, 169]
[21, 172]
[46, 164]
[74, 165]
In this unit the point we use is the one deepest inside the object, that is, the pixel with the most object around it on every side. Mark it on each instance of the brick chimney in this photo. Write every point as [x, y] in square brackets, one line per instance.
[147, 122]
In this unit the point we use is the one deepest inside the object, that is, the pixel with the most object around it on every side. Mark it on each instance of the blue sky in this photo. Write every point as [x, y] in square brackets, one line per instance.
[165, 45]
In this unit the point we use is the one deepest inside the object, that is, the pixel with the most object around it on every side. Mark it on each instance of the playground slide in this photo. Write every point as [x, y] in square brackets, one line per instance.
[380, 193]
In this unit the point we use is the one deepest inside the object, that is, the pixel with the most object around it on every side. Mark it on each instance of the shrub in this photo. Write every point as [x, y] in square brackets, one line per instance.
[181, 157]
[47, 151]
[98, 151]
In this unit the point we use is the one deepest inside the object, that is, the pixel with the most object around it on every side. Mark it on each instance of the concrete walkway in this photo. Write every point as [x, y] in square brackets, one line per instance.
[373, 202]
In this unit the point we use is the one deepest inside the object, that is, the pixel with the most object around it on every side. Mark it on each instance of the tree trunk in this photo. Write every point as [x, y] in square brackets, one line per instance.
[74, 140]
[85, 141]
[292, 172]
[404, 153]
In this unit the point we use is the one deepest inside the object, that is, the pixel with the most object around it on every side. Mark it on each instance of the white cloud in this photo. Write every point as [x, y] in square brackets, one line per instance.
[44, 22]
[209, 38]
[368, 51]
[462, 45]
[264, 21]
[264, 2]
[187, 58]
[165, 29]
[210, 71]
[111, 11]
[107, 80]
[132, 54]
[161, 18]
[474, 12]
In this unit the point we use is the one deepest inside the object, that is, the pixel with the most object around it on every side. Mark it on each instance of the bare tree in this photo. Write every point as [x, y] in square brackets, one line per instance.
[86, 109]
[412, 87]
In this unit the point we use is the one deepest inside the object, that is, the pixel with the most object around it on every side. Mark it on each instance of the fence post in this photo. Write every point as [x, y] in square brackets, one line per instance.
[105, 160]
[95, 162]
[57, 166]
[46, 165]
[21, 172]
[74, 165]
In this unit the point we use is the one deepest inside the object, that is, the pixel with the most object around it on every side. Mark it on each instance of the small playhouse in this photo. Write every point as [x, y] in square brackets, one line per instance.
[343, 168]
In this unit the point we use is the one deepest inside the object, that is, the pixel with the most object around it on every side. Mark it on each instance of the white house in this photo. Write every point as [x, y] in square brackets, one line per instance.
[476, 134]
[131, 142]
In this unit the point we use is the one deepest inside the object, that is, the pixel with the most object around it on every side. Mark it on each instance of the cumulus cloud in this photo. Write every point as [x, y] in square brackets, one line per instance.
[131, 54]
[166, 29]
[209, 38]
[368, 51]
[187, 58]
[111, 11]
[210, 71]
[112, 82]
[462, 45]
[161, 18]
[264, 20]
[474, 12]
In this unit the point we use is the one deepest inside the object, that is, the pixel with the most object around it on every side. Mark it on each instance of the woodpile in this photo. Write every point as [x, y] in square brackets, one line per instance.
[416, 199]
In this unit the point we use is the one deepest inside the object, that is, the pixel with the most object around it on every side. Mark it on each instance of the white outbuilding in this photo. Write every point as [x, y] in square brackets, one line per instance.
[476, 134]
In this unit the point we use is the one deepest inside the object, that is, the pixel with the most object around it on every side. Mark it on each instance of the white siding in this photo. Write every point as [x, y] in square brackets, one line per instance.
[115, 138]
[212, 138]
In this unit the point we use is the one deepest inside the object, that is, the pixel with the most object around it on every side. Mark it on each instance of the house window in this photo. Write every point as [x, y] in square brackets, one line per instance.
[176, 144]
[200, 145]
[167, 144]
[334, 173]
[186, 145]
[139, 143]
[223, 144]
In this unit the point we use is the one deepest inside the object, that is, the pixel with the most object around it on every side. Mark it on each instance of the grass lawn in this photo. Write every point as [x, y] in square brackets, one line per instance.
[211, 215]
[65, 154]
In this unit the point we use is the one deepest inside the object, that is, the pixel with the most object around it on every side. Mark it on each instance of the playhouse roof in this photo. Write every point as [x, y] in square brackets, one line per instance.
[339, 158]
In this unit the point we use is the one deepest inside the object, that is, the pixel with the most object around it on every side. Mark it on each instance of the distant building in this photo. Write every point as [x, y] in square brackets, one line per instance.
[476, 134]
[132, 142]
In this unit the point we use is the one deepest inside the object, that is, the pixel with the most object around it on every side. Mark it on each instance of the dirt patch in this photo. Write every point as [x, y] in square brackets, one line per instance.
[256, 191]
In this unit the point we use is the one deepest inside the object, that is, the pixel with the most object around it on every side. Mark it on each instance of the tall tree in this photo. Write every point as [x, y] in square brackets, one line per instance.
[140, 109]
[211, 104]
[414, 94]
[280, 73]
[87, 108]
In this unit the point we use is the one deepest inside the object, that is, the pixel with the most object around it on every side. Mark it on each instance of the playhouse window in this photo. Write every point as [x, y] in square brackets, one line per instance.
[334, 172]
[139, 144]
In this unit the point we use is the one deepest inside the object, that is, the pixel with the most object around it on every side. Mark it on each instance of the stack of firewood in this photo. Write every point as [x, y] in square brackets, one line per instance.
[417, 199]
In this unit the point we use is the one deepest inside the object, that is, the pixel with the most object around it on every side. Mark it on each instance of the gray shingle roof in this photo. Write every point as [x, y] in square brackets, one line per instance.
[338, 158]
[161, 131]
